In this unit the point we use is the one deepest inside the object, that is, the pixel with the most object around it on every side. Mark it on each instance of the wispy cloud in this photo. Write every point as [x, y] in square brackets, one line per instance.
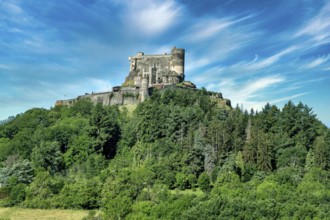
[254, 87]
[150, 17]
[253, 93]
[259, 105]
[318, 61]
[196, 63]
[287, 98]
[214, 40]
[13, 13]
[317, 27]
[262, 63]
[209, 27]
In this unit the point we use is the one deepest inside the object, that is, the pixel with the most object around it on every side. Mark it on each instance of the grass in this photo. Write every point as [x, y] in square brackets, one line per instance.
[41, 214]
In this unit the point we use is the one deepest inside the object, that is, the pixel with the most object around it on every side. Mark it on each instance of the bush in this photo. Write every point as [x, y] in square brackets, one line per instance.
[17, 194]
[204, 182]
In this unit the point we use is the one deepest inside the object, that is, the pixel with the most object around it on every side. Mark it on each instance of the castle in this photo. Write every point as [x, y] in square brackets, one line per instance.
[157, 69]
[147, 72]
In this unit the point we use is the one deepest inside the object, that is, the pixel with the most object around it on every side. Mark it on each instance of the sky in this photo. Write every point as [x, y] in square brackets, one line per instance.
[253, 52]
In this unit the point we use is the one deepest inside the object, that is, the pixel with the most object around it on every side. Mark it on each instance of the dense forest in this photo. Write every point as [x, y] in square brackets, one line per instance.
[178, 155]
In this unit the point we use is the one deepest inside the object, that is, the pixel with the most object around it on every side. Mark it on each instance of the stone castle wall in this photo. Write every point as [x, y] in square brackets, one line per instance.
[157, 69]
[123, 97]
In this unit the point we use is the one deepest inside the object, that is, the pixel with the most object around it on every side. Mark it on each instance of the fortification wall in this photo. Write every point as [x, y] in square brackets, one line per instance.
[124, 97]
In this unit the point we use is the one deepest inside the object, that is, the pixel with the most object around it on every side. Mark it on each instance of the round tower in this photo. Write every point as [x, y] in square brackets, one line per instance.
[177, 60]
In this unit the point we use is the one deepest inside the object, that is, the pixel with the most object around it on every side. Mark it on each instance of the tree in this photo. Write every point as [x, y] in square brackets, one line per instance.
[195, 158]
[48, 156]
[105, 129]
[82, 107]
[204, 182]
[292, 156]
[20, 169]
[17, 194]
[264, 152]
[240, 169]
[181, 181]
[322, 151]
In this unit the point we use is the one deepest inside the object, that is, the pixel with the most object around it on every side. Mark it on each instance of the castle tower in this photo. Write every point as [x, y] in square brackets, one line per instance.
[144, 93]
[177, 61]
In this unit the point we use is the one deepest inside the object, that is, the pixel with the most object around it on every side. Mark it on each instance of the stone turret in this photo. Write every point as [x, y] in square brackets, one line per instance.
[177, 60]
[144, 93]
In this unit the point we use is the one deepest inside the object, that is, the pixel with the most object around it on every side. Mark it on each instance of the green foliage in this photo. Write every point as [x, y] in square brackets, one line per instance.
[82, 107]
[17, 194]
[80, 193]
[178, 155]
[39, 193]
[15, 168]
[204, 182]
[292, 156]
[192, 180]
[322, 151]
[181, 181]
[48, 156]
[5, 148]
[105, 130]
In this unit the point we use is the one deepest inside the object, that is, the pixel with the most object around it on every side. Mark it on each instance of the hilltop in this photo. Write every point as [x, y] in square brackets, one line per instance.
[177, 155]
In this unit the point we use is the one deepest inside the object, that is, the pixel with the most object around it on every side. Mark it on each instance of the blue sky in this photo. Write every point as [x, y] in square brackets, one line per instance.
[253, 52]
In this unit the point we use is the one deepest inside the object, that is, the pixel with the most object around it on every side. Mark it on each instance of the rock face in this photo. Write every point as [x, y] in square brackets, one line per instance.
[147, 72]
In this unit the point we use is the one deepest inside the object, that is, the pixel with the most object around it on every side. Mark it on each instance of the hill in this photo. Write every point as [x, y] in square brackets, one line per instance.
[177, 155]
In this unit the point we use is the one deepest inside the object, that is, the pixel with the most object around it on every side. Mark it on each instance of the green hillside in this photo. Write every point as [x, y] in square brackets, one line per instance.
[178, 155]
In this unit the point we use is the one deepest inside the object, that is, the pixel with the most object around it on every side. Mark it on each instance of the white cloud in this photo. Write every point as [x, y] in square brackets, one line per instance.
[255, 64]
[151, 17]
[11, 12]
[318, 61]
[259, 105]
[195, 63]
[252, 88]
[318, 27]
[287, 98]
[215, 39]
[209, 27]
[209, 76]
[251, 93]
